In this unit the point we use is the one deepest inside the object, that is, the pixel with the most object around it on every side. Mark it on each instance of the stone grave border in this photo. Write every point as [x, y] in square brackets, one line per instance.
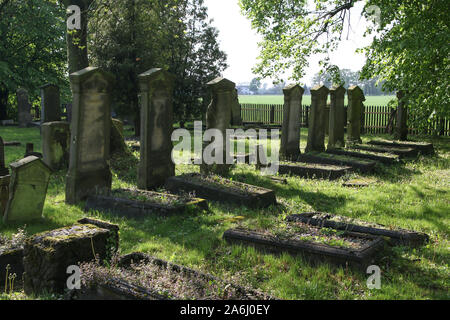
[222, 194]
[362, 165]
[398, 236]
[385, 159]
[136, 209]
[424, 147]
[402, 152]
[314, 171]
[315, 252]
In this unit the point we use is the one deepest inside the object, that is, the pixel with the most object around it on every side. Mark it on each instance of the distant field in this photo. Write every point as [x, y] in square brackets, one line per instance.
[370, 100]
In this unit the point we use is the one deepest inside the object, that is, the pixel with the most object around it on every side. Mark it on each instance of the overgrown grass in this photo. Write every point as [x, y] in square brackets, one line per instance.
[415, 196]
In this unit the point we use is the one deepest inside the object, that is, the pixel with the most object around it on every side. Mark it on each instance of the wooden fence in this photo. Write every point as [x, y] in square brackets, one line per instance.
[375, 119]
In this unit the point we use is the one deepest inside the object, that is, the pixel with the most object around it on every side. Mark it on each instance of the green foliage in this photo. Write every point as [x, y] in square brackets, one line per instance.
[32, 47]
[130, 37]
[409, 51]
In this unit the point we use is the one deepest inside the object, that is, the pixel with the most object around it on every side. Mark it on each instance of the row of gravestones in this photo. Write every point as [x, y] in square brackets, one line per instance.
[335, 116]
[50, 106]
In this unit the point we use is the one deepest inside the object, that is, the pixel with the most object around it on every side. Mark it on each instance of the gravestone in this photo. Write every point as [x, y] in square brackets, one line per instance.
[89, 169]
[236, 110]
[4, 179]
[290, 132]
[156, 99]
[28, 189]
[316, 129]
[50, 103]
[401, 128]
[23, 108]
[355, 105]
[55, 144]
[117, 144]
[218, 116]
[337, 118]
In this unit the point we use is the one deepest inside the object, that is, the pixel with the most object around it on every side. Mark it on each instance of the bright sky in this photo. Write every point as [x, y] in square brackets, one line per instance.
[240, 42]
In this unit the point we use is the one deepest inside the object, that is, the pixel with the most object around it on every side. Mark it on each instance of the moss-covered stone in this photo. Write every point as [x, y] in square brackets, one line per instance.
[48, 255]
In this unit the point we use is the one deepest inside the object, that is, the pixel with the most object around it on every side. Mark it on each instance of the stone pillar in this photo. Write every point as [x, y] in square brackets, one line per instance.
[55, 144]
[156, 99]
[355, 103]
[337, 118]
[236, 119]
[89, 169]
[218, 116]
[290, 131]
[316, 129]
[50, 103]
[401, 128]
[4, 179]
[23, 108]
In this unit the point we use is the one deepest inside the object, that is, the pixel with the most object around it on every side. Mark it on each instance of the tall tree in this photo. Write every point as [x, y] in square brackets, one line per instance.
[410, 49]
[31, 47]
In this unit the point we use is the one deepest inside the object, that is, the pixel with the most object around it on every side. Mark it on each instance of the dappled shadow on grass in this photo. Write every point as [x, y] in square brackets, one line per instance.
[125, 165]
[393, 173]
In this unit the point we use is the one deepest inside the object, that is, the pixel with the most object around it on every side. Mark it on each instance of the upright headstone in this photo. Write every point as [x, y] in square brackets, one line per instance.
[23, 108]
[4, 179]
[355, 103]
[316, 129]
[236, 119]
[89, 169]
[290, 131]
[50, 103]
[117, 144]
[156, 165]
[218, 116]
[55, 144]
[401, 128]
[337, 118]
[28, 189]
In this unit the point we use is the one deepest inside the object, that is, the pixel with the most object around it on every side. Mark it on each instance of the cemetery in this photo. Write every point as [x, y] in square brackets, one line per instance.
[95, 204]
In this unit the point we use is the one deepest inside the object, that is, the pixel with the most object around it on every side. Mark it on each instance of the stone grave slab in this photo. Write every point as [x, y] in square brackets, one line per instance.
[56, 144]
[362, 165]
[12, 256]
[223, 190]
[134, 203]
[126, 286]
[47, 255]
[424, 147]
[28, 189]
[387, 159]
[313, 170]
[314, 243]
[156, 103]
[402, 152]
[328, 220]
[90, 127]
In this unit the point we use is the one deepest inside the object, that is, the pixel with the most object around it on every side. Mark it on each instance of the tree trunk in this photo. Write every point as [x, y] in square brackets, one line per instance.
[77, 52]
[4, 94]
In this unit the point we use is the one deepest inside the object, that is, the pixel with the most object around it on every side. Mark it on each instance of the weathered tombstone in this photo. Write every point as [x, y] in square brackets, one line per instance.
[117, 144]
[337, 118]
[316, 129]
[236, 119]
[156, 165]
[326, 119]
[218, 116]
[50, 103]
[55, 144]
[4, 179]
[355, 103]
[28, 189]
[290, 132]
[48, 255]
[90, 134]
[401, 128]
[23, 108]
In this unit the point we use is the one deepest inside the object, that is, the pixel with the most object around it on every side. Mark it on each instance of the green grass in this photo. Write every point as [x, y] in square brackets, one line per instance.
[415, 196]
[279, 99]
